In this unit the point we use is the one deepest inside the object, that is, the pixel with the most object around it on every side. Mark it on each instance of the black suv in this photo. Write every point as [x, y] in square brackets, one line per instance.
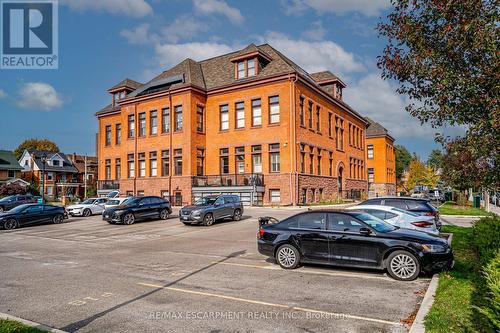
[419, 206]
[138, 208]
[12, 201]
[208, 209]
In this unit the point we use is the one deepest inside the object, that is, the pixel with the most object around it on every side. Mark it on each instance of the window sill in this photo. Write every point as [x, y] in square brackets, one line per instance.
[256, 126]
[178, 132]
[240, 129]
[223, 131]
[274, 124]
[302, 126]
[165, 133]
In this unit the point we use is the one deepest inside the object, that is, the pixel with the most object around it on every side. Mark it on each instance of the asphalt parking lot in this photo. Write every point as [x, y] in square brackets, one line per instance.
[89, 276]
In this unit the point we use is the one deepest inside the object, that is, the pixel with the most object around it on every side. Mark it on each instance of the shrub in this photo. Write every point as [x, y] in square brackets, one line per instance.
[486, 237]
[491, 307]
[11, 189]
[462, 199]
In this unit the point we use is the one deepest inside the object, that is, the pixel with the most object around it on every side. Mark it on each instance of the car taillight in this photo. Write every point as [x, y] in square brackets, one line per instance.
[261, 232]
[422, 224]
[430, 213]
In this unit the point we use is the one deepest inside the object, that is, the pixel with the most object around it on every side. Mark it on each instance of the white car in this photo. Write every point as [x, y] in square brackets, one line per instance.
[400, 218]
[88, 207]
[113, 202]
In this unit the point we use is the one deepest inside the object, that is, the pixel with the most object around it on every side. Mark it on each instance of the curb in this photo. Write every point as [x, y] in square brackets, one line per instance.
[462, 216]
[30, 323]
[418, 324]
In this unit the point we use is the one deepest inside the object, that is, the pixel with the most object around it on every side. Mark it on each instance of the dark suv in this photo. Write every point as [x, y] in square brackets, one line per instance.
[12, 201]
[138, 208]
[419, 206]
[208, 209]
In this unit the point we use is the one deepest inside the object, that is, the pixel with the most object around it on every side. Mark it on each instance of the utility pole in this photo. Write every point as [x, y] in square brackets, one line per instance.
[85, 178]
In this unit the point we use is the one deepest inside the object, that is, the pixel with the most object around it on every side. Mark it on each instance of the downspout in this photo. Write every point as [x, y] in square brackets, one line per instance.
[293, 129]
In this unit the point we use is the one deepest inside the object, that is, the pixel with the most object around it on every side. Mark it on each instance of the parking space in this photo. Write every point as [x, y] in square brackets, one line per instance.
[89, 276]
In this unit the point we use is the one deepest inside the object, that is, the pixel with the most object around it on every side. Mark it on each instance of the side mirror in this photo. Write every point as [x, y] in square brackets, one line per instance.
[365, 231]
[217, 204]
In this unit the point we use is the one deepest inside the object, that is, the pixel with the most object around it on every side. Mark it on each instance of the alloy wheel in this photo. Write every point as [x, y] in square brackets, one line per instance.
[129, 219]
[58, 219]
[86, 213]
[237, 215]
[10, 224]
[403, 266]
[164, 214]
[287, 257]
[209, 220]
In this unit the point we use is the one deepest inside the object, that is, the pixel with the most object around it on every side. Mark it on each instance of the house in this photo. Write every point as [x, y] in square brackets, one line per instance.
[380, 160]
[61, 176]
[10, 170]
[87, 172]
[251, 122]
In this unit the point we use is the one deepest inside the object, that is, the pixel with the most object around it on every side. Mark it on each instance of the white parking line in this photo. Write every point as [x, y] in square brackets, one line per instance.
[312, 271]
[281, 306]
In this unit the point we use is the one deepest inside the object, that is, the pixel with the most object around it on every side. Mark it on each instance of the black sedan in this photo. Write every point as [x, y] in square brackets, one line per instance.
[31, 214]
[138, 208]
[354, 239]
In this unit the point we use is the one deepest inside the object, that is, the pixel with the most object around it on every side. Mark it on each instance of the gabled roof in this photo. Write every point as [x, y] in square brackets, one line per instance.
[8, 161]
[326, 76]
[66, 167]
[128, 84]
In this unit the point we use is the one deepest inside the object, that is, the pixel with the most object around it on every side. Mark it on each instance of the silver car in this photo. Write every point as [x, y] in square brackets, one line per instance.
[400, 218]
[88, 207]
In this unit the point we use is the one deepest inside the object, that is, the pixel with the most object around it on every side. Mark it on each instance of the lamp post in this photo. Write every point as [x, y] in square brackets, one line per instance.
[43, 159]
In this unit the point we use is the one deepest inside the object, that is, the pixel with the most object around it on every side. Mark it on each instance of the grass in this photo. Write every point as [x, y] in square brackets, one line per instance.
[458, 290]
[10, 326]
[450, 208]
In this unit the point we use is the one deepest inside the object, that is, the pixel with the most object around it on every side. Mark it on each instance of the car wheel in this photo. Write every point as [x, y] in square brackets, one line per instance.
[208, 220]
[237, 215]
[86, 212]
[164, 214]
[129, 219]
[58, 219]
[10, 224]
[403, 266]
[288, 257]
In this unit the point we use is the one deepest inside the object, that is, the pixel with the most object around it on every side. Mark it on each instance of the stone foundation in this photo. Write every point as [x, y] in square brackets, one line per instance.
[381, 189]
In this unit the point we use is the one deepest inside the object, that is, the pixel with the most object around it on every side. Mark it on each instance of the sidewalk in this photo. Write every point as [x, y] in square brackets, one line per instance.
[494, 209]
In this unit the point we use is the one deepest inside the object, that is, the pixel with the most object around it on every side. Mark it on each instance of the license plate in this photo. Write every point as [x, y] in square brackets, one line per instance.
[184, 218]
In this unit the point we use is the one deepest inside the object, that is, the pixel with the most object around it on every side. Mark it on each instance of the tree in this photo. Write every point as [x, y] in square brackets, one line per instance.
[444, 54]
[435, 159]
[403, 158]
[431, 177]
[36, 144]
[416, 172]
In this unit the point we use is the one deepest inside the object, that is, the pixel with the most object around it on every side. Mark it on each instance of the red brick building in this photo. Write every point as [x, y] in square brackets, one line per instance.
[250, 122]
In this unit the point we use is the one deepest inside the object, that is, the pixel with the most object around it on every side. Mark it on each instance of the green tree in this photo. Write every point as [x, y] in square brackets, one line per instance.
[444, 54]
[403, 158]
[37, 144]
[431, 178]
[435, 159]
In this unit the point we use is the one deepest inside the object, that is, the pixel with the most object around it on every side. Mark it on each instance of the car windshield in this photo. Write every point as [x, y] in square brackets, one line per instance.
[88, 202]
[113, 202]
[132, 201]
[374, 222]
[7, 199]
[404, 211]
[205, 201]
[19, 209]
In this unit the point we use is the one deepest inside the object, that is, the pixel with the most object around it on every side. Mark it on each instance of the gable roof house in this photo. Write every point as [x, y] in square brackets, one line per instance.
[246, 115]
[10, 170]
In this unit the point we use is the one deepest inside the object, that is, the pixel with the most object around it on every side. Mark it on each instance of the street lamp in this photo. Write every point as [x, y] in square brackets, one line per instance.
[43, 159]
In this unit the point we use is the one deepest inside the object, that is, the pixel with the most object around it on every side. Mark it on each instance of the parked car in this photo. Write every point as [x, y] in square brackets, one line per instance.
[30, 214]
[209, 209]
[114, 202]
[435, 194]
[88, 207]
[400, 218]
[138, 208]
[354, 239]
[419, 206]
[12, 201]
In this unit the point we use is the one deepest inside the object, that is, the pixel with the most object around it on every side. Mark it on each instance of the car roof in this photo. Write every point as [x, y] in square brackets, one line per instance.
[379, 207]
[398, 198]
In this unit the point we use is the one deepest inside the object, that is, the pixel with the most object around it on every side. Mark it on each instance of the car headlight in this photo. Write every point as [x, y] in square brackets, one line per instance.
[119, 212]
[433, 248]
[196, 212]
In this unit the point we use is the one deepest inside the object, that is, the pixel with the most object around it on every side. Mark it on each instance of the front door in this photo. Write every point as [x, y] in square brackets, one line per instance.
[143, 210]
[32, 215]
[350, 247]
[311, 236]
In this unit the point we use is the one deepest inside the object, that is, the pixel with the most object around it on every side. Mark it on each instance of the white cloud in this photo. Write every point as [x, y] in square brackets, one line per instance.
[39, 96]
[134, 8]
[368, 8]
[170, 54]
[183, 27]
[316, 32]
[3, 94]
[377, 99]
[137, 35]
[315, 56]
[209, 7]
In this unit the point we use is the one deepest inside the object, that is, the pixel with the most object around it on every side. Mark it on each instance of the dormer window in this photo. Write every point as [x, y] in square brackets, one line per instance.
[55, 163]
[245, 68]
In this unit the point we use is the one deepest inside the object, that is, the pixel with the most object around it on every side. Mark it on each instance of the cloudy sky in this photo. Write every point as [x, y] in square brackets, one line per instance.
[104, 41]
